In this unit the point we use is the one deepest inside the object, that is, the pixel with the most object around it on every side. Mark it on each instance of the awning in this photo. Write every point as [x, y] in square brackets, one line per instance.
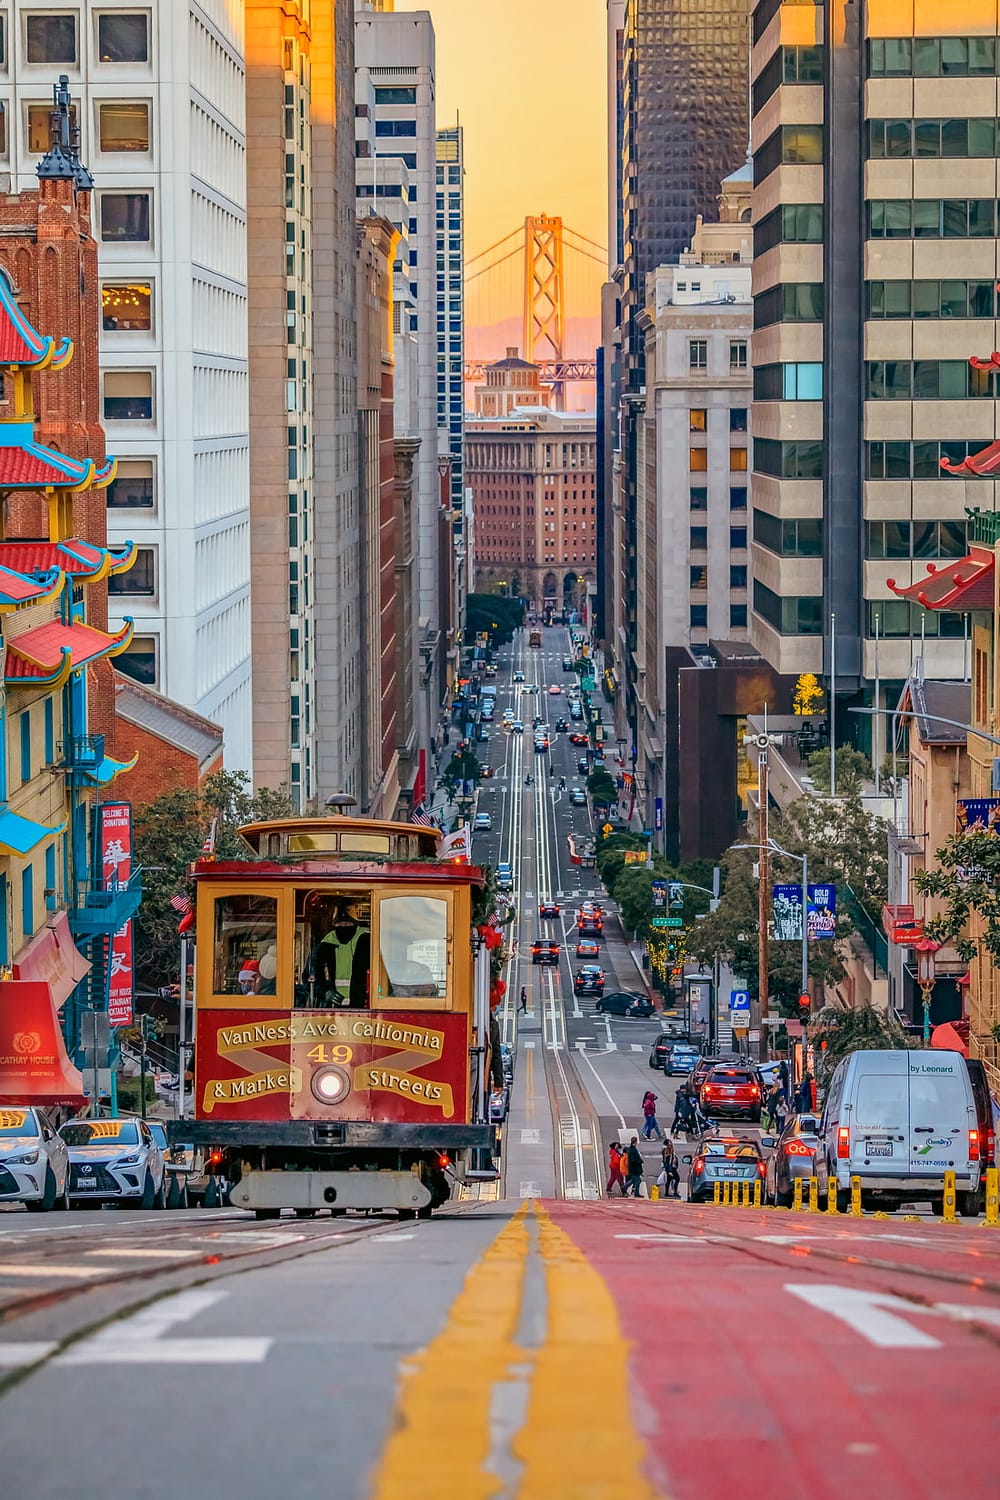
[20, 835]
[52, 958]
[948, 1036]
[34, 1068]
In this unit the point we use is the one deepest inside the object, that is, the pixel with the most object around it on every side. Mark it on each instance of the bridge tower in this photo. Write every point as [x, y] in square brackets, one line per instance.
[543, 294]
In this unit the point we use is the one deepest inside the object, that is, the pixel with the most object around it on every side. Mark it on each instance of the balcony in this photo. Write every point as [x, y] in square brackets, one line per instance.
[83, 754]
[983, 526]
[99, 911]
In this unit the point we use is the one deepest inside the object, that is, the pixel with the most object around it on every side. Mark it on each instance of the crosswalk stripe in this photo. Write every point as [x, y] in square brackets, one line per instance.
[47, 1269]
[140, 1254]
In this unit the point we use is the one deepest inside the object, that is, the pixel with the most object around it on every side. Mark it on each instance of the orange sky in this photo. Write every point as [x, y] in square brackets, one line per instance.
[527, 78]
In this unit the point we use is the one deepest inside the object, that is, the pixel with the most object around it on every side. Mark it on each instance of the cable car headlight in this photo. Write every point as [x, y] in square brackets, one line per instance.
[330, 1085]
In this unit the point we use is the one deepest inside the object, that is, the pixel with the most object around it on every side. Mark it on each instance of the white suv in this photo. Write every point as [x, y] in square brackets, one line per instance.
[34, 1162]
[112, 1160]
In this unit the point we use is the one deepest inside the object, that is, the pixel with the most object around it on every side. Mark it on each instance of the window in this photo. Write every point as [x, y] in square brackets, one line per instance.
[931, 138]
[3, 63]
[698, 420]
[737, 354]
[793, 460]
[132, 486]
[139, 660]
[246, 947]
[795, 145]
[698, 354]
[737, 460]
[914, 460]
[802, 64]
[795, 615]
[124, 216]
[931, 299]
[24, 725]
[793, 224]
[28, 901]
[926, 380]
[128, 395]
[395, 128]
[3, 129]
[698, 459]
[698, 616]
[791, 302]
[737, 419]
[699, 497]
[737, 538]
[738, 497]
[123, 36]
[698, 577]
[50, 39]
[793, 382]
[124, 127]
[413, 946]
[396, 96]
[902, 618]
[126, 307]
[698, 539]
[139, 579]
[738, 576]
[40, 126]
[788, 536]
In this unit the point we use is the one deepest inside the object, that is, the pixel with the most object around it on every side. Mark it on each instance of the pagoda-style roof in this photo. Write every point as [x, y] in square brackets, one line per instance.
[84, 562]
[50, 652]
[21, 344]
[16, 589]
[965, 583]
[28, 465]
[984, 464]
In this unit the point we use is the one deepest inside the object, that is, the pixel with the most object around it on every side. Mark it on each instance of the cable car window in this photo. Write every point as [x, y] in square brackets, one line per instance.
[305, 843]
[413, 942]
[364, 843]
[246, 945]
[332, 957]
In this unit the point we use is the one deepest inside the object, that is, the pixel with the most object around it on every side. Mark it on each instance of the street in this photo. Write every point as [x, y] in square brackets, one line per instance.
[534, 1340]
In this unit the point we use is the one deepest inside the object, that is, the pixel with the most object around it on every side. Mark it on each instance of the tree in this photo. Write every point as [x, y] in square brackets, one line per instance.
[853, 767]
[170, 833]
[968, 881]
[837, 1033]
[808, 694]
[493, 615]
[601, 786]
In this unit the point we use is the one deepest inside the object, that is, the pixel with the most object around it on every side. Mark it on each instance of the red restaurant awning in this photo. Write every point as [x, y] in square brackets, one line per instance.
[948, 1036]
[34, 1068]
[53, 958]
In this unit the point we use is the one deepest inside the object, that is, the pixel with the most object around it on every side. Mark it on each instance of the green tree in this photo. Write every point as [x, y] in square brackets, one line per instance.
[494, 615]
[837, 1033]
[967, 880]
[170, 832]
[601, 786]
[853, 768]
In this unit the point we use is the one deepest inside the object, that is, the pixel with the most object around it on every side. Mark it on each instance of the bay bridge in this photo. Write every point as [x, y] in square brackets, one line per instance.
[542, 266]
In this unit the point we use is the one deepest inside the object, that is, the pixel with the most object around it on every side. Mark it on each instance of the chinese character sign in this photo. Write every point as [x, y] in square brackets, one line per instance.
[821, 916]
[115, 845]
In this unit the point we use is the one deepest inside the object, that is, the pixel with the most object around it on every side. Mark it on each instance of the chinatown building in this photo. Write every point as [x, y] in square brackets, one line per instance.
[67, 890]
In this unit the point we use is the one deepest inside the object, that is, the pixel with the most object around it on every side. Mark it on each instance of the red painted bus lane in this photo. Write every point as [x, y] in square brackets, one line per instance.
[761, 1368]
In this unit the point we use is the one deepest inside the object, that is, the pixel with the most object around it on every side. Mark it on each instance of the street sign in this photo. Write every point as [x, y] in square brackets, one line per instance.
[771, 1021]
[739, 1000]
[739, 1020]
[753, 1036]
[588, 684]
[668, 921]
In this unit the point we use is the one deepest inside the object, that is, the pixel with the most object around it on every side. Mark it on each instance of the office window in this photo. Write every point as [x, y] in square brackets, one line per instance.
[698, 459]
[789, 536]
[737, 354]
[791, 302]
[126, 307]
[24, 726]
[802, 65]
[698, 420]
[395, 128]
[123, 36]
[699, 497]
[927, 380]
[124, 126]
[132, 486]
[737, 459]
[396, 96]
[50, 39]
[738, 576]
[793, 145]
[128, 395]
[139, 581]
[793, 223]
[50, 732]
[791, 460]
[737, 419]
[139, 660]
[698, 616]
[737, 538]
[698, 354]
[3, 63]
[789, 615]
[698, 538]
[28, 901]
[791, 382]
[932, 218]
[124, 216]
[698, 577]
[40, 126]
[738, 616]
[931, 138]
[900, 618]
[738, 497]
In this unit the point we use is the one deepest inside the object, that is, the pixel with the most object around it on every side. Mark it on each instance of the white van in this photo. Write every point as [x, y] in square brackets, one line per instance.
[900, 1120]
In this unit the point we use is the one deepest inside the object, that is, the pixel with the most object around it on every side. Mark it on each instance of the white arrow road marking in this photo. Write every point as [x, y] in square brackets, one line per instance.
[139, 1339]
[873, 1315]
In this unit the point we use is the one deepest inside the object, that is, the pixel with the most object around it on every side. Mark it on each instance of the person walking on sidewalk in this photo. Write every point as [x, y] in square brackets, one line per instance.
[615, 1169]
[682, 1110]
[670, 1172]
[633, 1161]
[650, 1122]
[522, 1004]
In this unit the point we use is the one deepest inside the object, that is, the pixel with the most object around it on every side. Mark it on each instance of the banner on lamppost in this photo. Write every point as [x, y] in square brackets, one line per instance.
[786, 913]
[659, 893]
[658, 813]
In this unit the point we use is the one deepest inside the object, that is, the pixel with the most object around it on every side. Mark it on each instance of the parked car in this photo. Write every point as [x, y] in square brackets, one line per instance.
[625, 1003]
[588, 948]
[483, 823]
[577, 796]
[114, 1160]
[722, 1159]
[499, 1099]
[545, 951]
[589, 980]
[732, 1091]
[899, 1120]
[548, 909]
[793, 1156]
[507, 1062]
[34, 1161]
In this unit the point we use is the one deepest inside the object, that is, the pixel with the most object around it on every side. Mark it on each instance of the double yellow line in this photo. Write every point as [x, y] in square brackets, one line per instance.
[578, 1440]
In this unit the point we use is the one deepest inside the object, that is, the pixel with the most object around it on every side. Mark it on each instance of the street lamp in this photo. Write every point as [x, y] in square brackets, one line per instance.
[926, 950]
[803, 859]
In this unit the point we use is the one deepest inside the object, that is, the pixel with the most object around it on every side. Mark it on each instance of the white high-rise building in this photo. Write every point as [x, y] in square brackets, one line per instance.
[160, 92]
[394, 56]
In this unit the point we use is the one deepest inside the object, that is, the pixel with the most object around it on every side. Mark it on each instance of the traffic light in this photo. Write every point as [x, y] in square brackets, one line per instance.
[805, 1005]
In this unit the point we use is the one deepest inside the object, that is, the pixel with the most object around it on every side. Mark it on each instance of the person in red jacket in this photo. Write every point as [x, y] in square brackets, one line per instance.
[650, 1122]
[615, 1169]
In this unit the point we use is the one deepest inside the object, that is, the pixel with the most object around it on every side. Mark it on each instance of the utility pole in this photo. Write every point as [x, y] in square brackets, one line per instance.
[763, 909]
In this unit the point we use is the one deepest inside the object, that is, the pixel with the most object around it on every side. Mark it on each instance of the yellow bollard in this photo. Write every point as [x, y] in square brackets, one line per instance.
[745, 1195]
[797, 1194]
[856, 1197]
[814, 1195]
[757, 1194]
[727, 1191]
[654, 1193]
[717, 1193]
[831, 1195]
[949, 1215]
[992, 1197]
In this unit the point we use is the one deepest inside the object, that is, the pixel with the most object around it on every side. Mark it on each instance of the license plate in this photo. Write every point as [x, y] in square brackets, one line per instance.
[729, 1093]
[878, 1148]
[730, 1172]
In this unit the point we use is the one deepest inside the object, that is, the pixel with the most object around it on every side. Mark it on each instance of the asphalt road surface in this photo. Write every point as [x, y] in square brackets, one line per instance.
[548, 1345]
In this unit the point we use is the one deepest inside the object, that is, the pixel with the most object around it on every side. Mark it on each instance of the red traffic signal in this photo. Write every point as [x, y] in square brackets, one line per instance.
[805, 1002]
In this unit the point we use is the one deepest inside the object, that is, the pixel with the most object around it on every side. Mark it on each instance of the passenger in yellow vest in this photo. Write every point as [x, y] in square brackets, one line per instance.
[343, 961]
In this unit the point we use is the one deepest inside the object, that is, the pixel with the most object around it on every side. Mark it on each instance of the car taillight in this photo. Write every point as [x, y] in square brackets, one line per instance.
[843, 1140]
[991, 1147]
[754, 1090]
[796, 1148]
[699, 1166]
[762, 1167]
[973, 1145]
[214, 1157]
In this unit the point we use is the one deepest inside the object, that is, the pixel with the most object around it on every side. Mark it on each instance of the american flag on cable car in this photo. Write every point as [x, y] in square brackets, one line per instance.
[181, 903]
[422, 816]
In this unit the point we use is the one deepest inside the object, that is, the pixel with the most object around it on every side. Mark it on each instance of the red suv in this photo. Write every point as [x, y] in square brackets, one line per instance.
[732, 1090]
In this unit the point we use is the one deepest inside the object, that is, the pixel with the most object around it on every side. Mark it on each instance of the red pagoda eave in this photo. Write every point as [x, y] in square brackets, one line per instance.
[21, 344]
[47, 654]
[30, 466]
[16, 590]
[84, 562]
[966, 583]
[982, 464]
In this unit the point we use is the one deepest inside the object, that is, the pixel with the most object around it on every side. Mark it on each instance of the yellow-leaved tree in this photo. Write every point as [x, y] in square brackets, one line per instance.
[808, 694]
